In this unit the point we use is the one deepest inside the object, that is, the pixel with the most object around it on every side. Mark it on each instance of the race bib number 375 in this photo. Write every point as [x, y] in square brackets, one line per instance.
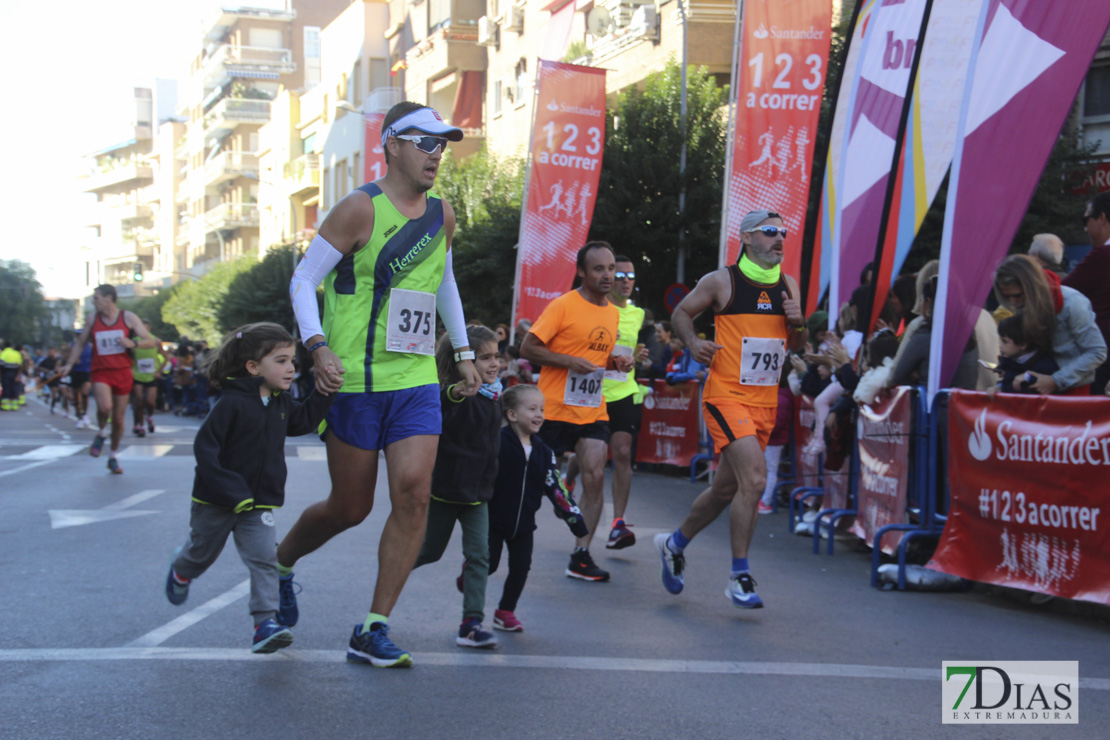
[411, 322]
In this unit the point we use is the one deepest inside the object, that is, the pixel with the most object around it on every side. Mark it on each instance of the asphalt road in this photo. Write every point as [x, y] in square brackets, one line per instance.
[91, 648]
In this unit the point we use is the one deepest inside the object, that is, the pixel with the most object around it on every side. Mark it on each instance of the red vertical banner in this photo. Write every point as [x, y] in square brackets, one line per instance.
[373, 159]
[884, 466]
[784, 55]
[568, 138]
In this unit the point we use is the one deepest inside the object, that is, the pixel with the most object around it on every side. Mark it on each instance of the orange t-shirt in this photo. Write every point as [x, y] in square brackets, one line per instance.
[571, 325]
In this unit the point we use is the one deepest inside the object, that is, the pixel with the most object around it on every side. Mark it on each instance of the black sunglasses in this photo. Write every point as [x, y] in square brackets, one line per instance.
[624, 275]
[771, 231]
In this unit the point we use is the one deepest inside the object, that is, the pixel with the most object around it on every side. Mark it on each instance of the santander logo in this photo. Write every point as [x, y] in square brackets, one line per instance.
[979, 444]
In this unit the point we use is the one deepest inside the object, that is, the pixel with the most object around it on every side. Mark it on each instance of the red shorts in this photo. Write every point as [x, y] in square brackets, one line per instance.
[728, 420]
[119, 379]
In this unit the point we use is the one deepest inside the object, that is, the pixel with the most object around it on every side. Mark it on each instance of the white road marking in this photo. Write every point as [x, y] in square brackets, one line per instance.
[48, 452]
[185, 621]
[312, 452]
[65, 435]
[62, 518]
[21, 468]
[495, 660]
[138, 452]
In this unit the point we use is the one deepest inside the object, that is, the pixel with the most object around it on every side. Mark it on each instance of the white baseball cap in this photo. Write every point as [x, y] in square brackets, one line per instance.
[425, 120]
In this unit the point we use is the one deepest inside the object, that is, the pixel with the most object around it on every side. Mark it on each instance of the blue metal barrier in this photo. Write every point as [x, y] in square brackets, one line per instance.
[704, 442]
[836, 514]
[927, 479]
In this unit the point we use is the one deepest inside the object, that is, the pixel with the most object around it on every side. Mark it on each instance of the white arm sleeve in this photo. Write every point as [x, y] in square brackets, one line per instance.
[320, 259]
[449, 305]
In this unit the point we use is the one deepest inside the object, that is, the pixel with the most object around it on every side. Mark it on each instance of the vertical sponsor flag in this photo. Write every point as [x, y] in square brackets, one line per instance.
[1026, 66]
[869, 148]
[785, 53]
[818, 278]
[568, 136]
[930, 136]
[373, 159]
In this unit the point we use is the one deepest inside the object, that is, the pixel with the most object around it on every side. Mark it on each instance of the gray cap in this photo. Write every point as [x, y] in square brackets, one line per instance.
[755, 218]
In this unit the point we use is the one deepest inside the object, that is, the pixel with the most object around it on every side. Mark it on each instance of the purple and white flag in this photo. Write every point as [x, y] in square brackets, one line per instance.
[877, 100]
[1026, 66]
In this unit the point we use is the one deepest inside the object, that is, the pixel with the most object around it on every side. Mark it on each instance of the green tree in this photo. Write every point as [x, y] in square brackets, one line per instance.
[485, 192]
[150, 308]
[194, 307]
[637, 204]
[22, 307]
[261, 292]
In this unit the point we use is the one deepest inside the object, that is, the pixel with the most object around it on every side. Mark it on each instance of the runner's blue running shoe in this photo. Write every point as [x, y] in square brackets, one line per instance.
[375, 647]
[288, 614]
[673, 564]
[113, 466]
[270, 637]
[741, 592]
[97, 445]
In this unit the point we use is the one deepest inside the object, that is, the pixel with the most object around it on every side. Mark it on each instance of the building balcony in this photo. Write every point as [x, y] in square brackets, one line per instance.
[230, 112]
[232, 216]
[254, 62]
[302, 174]
[449, 48]
[229, 165]
[119, 179]
[226, 17]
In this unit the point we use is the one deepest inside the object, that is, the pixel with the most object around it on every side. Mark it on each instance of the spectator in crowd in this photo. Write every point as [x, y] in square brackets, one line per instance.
[661, 352]
[818, 326]
[1048, 250]
[780, 437]
[683, 368]
[1056, 317]
[502, 332]
[911, 365]
[898, 312]
[1016, 357]
[1091, 277]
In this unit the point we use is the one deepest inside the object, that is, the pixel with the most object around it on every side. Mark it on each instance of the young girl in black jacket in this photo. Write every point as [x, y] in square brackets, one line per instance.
[240, 478]
[462, 480]
[527, 471]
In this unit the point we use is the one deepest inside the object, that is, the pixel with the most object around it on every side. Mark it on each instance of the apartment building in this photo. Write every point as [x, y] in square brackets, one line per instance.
[247, 55]
[313, 150]
[1094, 113]
[123, 221]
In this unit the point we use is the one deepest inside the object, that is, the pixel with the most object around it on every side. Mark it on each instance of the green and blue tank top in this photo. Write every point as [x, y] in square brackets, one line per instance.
[404, 254]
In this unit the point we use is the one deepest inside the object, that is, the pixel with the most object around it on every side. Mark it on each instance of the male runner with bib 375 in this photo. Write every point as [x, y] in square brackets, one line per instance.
[757, 320]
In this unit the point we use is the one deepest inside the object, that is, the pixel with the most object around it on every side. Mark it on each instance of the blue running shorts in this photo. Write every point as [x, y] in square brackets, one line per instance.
[375, 420]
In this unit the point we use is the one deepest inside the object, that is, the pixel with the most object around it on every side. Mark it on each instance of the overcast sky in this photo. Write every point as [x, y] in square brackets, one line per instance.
[69, 66]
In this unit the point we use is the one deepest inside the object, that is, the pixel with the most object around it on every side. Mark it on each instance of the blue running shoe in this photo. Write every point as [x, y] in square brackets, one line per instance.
[288, 614]
[269, 637]
[673, 564]
[741, 592]
[375, 647]
[97, 445]
[176, 592]
[113, 466]
[473, 634]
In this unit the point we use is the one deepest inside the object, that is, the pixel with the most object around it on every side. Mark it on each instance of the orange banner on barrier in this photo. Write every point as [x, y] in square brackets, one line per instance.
[785, 52]
[1027, 494]
[568, 137]
[884, 466]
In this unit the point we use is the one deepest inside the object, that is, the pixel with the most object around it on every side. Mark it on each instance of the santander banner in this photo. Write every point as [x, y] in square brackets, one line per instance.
[373, 158]
[884, 466]
[670, 426]
[784, 55]
[567, 142]
[1027, 494]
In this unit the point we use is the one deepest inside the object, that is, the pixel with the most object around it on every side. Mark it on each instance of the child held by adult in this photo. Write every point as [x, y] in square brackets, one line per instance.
[528, 470]
[462, 480]
[1018, 357]
[240, 478]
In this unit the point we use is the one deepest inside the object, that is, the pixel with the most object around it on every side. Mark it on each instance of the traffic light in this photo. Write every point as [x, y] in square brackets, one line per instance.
[137, 272]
